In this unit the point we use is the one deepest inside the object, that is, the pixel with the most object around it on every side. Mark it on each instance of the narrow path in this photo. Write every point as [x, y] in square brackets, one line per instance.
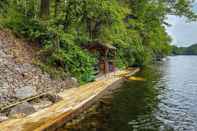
[74, 101]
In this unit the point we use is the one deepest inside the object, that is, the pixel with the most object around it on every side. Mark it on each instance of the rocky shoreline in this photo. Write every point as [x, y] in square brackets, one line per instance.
[20, 78]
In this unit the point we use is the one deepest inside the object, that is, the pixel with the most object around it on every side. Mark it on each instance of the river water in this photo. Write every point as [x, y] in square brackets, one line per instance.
[165, 101]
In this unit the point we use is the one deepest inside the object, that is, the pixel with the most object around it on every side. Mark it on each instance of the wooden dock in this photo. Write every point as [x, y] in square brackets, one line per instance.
[75, 100]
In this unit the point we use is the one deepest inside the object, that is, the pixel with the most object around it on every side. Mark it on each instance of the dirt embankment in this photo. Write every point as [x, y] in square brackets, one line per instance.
[19, 77]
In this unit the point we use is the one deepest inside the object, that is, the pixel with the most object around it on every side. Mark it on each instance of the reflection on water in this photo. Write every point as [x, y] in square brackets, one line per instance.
[166, 101]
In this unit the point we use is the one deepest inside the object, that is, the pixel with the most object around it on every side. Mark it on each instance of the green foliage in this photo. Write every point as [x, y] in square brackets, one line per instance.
[3, 5]
[134, 27]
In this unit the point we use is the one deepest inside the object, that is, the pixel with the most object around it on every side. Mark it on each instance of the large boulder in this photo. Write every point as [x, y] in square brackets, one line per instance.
[22, 109]
[25, 92]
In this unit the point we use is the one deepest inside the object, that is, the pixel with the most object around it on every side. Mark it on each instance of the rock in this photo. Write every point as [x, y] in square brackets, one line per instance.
[24, 108]
[25, 92]
[2, 54]
[54, 98]
[74, 81]
[42, 104]
[4, 92]
[3, 117]
[4, 89]
[26, 67]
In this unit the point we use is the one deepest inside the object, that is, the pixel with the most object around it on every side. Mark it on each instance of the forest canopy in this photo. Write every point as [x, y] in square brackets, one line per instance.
[135, 27]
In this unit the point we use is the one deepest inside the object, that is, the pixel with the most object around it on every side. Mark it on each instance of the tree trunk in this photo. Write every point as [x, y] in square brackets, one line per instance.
[44, 8]
[57, 7]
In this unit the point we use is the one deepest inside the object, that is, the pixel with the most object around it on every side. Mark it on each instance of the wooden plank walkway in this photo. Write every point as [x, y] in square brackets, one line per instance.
[74, 101]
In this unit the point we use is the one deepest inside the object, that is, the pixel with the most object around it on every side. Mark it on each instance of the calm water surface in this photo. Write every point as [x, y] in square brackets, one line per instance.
[166, 101]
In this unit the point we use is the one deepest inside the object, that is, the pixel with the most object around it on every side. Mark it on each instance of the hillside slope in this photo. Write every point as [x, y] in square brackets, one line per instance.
[19, 78]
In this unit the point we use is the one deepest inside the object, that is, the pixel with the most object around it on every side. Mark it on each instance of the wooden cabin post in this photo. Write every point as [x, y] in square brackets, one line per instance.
[106, 61]
[104, 50]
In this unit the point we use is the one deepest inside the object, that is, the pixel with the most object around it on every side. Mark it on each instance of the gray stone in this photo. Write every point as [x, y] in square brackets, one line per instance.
[74, 79]
[54, 97]
[25, 92]
[3, 117]
[74, 82]
[1, 83]
[2, 54]
[24, 108]
[42, 104]
[4, 91]
[26, 67]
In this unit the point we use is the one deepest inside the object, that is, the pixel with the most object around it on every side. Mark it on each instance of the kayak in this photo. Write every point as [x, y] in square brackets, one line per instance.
[136, 78]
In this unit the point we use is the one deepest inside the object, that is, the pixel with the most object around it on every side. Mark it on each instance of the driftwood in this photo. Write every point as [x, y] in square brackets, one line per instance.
[7, 106]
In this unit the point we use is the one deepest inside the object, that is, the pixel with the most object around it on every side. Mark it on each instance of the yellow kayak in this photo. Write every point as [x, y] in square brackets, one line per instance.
[136, 78]
[123, 74]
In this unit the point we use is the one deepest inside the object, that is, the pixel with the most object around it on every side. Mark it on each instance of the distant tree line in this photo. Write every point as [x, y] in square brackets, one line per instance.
[190, 50]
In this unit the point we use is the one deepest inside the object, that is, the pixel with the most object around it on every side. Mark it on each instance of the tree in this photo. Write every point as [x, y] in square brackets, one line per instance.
[57, 6]
[45, 8]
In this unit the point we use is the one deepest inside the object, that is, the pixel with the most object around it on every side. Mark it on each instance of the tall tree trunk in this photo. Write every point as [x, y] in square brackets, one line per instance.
[44, 8]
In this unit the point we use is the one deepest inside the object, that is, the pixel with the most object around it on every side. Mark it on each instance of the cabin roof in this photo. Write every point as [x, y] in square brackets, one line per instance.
[98, 44]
